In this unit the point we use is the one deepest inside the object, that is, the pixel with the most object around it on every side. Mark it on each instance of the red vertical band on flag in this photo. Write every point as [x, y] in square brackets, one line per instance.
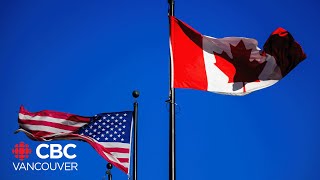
[287, 52]
[187, 55]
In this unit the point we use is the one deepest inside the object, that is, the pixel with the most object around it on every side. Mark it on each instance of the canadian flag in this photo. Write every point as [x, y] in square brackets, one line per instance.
[231, 65]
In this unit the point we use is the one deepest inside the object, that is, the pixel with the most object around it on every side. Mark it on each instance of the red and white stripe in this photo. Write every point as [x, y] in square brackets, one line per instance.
[193, 62]
[116, 153]
[49, 125]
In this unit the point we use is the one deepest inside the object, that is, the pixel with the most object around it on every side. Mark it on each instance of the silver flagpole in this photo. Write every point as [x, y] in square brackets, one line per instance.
[172, 134]
[135, 94]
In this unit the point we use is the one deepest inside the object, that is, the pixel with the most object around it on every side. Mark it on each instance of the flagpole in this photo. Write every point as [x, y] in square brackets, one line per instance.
[109, 167]
[135, 94]
[172, 126]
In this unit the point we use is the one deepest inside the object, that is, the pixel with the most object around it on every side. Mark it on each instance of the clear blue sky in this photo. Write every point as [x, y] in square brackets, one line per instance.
[86, 57]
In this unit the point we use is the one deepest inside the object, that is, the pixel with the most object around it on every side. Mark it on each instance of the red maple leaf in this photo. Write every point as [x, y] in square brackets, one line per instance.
[239, 68]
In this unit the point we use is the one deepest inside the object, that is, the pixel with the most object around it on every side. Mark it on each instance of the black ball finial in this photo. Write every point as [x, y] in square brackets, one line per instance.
[109, 166]
[135, 94]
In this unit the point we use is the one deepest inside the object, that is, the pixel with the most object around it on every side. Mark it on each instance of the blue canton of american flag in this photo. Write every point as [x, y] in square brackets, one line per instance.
[110, 135]
[109, 127]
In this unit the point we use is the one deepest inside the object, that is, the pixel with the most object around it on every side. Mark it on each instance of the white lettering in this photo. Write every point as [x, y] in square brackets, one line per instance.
[35, 166]
[16, 167]
[31, 166]
[42, 166]
[65, 151]
[74, 165]
[22, 166]
[45, 166]
[67, 166]
[60, 167]
[38, 151]
[55, 151]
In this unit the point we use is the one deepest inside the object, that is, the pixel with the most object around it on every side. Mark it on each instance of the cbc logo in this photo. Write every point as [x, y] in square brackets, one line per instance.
[22, 151]
[56, 151]
[48, 154]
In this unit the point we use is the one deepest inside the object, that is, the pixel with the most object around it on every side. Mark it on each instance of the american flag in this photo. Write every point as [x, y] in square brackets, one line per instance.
[108, 133]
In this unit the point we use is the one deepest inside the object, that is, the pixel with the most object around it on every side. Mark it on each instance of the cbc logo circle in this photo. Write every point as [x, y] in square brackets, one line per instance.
[21, 151]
